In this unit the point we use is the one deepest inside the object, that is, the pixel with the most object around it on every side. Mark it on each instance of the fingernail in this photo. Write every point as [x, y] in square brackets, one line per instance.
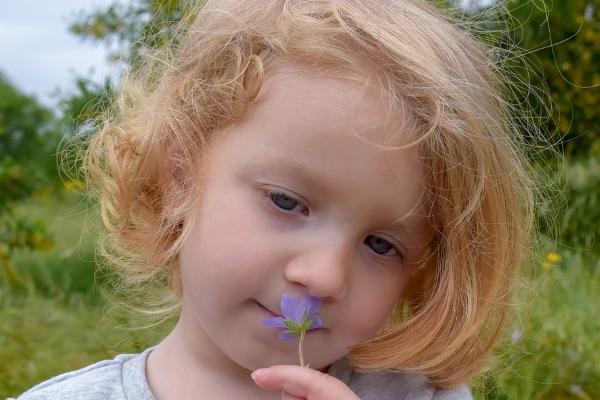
[257, 374]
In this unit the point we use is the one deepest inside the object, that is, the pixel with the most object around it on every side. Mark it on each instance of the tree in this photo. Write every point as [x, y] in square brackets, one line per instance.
[131, 29]
[28, 139]
[562, 42]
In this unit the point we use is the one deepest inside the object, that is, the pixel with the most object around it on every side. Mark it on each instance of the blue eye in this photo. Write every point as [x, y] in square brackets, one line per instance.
[383, 245]
[284, 201]
[288, 203]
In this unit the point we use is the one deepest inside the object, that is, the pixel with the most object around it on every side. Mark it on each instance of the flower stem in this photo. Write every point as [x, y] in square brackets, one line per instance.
[300, 348]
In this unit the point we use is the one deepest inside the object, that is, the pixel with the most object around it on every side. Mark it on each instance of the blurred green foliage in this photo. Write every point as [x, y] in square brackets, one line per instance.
[81, 108]
[56, 320]
[550, 351]
[562, 42]
[133, 27]
[551, 53]
[579, 227]
[129, 30]
[28, 140]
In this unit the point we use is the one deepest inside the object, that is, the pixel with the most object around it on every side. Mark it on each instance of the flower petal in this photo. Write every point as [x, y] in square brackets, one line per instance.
[298, 315]
[274, 322]
[288, 306]
[316, 323]
[311, 304]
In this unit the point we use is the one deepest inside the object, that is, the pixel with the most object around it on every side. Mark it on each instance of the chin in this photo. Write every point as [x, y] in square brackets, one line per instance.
[254, 361]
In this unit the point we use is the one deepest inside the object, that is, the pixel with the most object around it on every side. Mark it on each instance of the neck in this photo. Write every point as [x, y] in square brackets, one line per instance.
[186, 363]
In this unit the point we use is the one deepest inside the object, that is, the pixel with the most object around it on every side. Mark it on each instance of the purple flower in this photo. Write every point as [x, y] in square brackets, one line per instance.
[298, 316]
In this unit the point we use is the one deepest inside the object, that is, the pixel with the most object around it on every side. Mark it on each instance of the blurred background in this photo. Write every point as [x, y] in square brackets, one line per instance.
[59, 63]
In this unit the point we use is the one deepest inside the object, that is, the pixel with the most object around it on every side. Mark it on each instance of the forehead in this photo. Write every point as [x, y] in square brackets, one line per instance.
[346, 104]
[331, 134]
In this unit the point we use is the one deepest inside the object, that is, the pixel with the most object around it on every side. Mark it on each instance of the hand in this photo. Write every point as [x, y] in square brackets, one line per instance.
[301, 383]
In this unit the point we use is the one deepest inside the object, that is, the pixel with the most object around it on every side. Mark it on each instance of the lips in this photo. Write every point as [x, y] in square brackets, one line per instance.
[273, 314]
[269, 310]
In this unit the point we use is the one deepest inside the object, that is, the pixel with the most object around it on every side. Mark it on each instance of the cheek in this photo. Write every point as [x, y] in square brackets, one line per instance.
[219, 229]
[372, 309]
[225, 246]
[370, 317]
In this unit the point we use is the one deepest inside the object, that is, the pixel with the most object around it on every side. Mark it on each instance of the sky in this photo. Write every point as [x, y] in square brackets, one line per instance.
[37, 52]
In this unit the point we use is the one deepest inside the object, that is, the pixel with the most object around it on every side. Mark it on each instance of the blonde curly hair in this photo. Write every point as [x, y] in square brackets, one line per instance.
[425, 66]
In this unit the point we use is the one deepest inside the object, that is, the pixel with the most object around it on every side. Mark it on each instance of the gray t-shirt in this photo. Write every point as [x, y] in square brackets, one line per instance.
[124, 378]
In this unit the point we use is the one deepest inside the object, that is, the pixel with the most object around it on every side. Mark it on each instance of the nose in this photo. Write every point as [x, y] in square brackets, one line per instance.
[324, 269]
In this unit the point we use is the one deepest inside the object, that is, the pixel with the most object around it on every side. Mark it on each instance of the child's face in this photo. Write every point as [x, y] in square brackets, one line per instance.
[330, 238]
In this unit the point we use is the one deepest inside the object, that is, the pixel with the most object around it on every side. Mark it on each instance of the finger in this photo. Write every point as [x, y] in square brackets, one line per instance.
[286, 396]
[303, 382]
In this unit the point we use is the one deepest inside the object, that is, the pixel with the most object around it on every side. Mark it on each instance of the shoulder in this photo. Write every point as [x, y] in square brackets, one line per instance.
[103, 380]
[461, 392]
[394, 385]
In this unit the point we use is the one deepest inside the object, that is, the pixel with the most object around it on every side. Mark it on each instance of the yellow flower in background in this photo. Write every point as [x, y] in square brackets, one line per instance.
[74, 184]
[553, 257]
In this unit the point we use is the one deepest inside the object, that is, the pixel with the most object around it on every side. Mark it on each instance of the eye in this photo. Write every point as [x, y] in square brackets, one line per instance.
[284, 201]
[381, 246]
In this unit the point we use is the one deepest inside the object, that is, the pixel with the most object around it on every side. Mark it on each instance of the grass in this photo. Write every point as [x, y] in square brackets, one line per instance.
[56, 321]
[53, 319]
[552, 351]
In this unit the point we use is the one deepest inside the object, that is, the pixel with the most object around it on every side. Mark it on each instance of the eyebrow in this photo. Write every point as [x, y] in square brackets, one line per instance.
[278, 164]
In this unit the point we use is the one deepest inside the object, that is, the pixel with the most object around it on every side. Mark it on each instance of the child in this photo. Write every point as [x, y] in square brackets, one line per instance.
[356, 151]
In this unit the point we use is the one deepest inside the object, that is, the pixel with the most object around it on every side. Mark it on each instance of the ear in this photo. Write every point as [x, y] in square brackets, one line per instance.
[174, 184]
[175, 167]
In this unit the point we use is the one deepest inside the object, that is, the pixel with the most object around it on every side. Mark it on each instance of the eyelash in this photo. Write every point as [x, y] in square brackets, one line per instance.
[269, 193]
